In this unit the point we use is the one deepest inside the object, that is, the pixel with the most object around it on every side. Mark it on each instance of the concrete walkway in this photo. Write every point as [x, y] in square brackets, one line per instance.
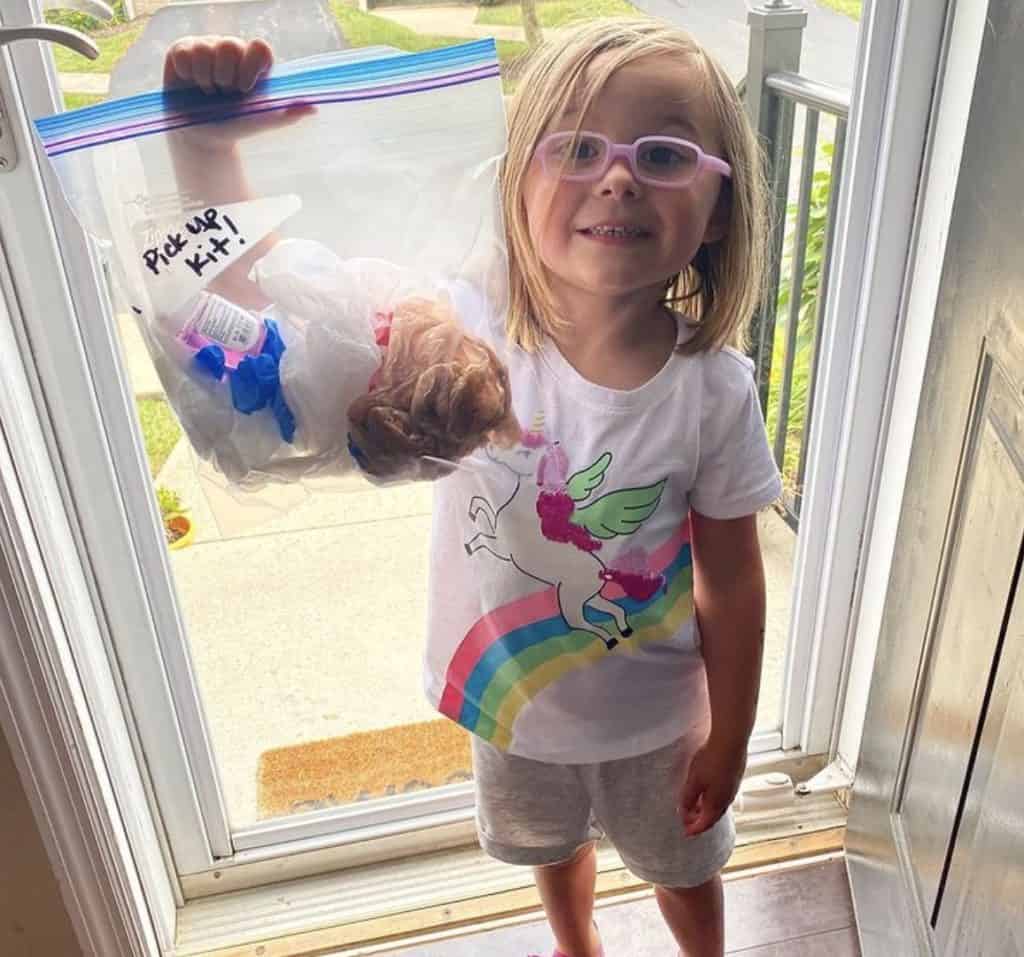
[95, 84]
[453, 21]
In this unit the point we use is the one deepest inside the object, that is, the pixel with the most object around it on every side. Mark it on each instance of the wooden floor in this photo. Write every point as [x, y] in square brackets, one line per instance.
[804, 912]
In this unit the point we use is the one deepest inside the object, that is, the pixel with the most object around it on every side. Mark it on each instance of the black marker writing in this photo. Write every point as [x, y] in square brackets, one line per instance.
[200, 260]
[163, 253]
[205, 224]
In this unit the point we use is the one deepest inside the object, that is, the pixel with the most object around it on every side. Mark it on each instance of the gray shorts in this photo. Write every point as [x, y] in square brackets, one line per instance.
[534, 813]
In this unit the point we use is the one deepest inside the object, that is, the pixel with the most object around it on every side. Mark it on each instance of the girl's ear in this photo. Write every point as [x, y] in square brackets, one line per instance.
[718, 223]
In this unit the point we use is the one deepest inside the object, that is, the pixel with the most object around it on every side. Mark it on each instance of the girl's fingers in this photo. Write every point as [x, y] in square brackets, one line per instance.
[217, 63]
[171, 78]
[693, 787]
[256, 63]
[227, 57]
[178, 63]
[202, 66]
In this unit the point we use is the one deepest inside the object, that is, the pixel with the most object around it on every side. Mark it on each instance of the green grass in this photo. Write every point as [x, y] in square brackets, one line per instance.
[364, 29]
[556, 13]
[113, 45]
[851, 8]
[75, 101]
[797, 401]
[160, 431]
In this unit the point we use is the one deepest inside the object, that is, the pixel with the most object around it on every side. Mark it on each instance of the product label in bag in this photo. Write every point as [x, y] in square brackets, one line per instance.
[179, 256]
[215, 321]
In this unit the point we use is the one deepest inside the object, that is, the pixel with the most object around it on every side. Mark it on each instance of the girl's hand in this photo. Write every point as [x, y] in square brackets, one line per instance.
[225, 64]
[712, 782]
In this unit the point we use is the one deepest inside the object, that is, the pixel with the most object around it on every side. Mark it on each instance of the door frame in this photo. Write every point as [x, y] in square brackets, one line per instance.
[899, 60]
[954, 91]
[122, 822]
[878, 703]
[60, 707]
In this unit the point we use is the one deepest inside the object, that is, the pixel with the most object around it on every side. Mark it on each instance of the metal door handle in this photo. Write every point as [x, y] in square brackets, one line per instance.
[48, 33]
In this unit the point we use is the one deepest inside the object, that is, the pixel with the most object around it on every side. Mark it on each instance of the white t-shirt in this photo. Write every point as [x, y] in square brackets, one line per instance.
[561, 622]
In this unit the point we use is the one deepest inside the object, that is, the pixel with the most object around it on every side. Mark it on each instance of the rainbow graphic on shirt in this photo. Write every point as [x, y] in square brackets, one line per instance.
[514, 652]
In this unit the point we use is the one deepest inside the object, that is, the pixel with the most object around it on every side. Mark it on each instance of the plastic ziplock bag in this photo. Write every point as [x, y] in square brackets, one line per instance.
[308, 262]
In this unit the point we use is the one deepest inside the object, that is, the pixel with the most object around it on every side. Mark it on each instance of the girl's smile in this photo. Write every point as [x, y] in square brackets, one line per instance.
[616, 233]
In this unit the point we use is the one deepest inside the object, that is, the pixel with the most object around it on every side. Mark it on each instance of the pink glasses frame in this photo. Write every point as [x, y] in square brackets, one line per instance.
[628, 152]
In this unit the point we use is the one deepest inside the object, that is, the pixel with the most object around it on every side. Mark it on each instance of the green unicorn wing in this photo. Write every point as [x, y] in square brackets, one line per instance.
[621, 512]
[586, 480]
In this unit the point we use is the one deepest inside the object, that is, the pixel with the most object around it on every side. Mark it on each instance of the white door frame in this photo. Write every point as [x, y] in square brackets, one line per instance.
[953, 97]
[890, 109]
[60, 708]
[899, 57]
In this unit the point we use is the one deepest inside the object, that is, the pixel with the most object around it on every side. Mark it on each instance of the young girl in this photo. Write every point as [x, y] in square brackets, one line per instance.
[597, 594]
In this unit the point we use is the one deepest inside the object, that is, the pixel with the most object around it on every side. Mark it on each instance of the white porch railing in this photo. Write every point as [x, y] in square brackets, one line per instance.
[773, 91]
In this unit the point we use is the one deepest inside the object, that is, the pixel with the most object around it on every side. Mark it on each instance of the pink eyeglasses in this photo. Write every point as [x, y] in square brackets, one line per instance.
[655, 160]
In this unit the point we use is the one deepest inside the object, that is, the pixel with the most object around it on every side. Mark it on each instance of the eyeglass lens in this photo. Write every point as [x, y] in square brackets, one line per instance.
[580, 155]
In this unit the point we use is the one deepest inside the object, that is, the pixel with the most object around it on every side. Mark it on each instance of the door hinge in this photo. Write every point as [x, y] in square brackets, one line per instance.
[835, 776]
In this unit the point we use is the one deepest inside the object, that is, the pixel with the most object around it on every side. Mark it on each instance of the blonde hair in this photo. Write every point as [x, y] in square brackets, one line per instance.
[720, 289]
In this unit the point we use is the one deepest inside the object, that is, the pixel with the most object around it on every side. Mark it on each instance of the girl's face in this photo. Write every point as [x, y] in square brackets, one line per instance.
[663, 228]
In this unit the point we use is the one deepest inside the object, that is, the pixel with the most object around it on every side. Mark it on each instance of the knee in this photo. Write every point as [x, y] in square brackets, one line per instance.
[694, 894]
[579, 856]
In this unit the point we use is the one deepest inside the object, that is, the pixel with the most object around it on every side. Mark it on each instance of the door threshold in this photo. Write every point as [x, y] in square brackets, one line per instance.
[534, 913]
[374, 908]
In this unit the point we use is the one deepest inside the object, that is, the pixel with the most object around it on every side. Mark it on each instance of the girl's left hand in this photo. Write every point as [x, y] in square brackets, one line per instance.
[712, 782]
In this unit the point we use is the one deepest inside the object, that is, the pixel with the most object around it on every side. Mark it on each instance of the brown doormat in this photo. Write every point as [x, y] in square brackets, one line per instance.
[362, 766]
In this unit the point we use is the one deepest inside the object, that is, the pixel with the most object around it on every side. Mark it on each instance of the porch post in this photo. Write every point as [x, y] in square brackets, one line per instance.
[776, 38]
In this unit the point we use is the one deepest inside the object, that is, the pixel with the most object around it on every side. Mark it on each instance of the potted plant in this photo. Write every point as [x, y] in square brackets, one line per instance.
[177, 525]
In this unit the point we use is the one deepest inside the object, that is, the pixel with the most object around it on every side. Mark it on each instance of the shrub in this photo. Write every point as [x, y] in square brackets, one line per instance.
[168, 500]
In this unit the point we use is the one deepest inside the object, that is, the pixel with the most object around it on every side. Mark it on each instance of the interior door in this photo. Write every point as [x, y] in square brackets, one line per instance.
[936, 836]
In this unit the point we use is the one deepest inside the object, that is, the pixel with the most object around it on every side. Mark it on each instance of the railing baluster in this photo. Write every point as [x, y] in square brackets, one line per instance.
[776, 36]
[810, 148]
[779, 148]
[836, 173]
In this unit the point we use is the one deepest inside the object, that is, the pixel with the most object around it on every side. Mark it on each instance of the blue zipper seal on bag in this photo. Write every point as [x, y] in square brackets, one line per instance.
[148, 114]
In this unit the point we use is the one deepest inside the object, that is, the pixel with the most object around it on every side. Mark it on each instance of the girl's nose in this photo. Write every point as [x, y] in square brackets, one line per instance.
[619, 180]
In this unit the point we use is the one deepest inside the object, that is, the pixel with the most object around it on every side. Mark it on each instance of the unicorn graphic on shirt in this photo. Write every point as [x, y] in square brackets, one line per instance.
[552, 529]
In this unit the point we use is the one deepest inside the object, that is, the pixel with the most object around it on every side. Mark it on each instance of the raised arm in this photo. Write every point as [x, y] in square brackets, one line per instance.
[207, 161]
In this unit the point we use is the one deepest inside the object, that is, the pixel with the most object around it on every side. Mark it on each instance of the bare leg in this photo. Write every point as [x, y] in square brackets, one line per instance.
[567, 892]
[696, 917]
